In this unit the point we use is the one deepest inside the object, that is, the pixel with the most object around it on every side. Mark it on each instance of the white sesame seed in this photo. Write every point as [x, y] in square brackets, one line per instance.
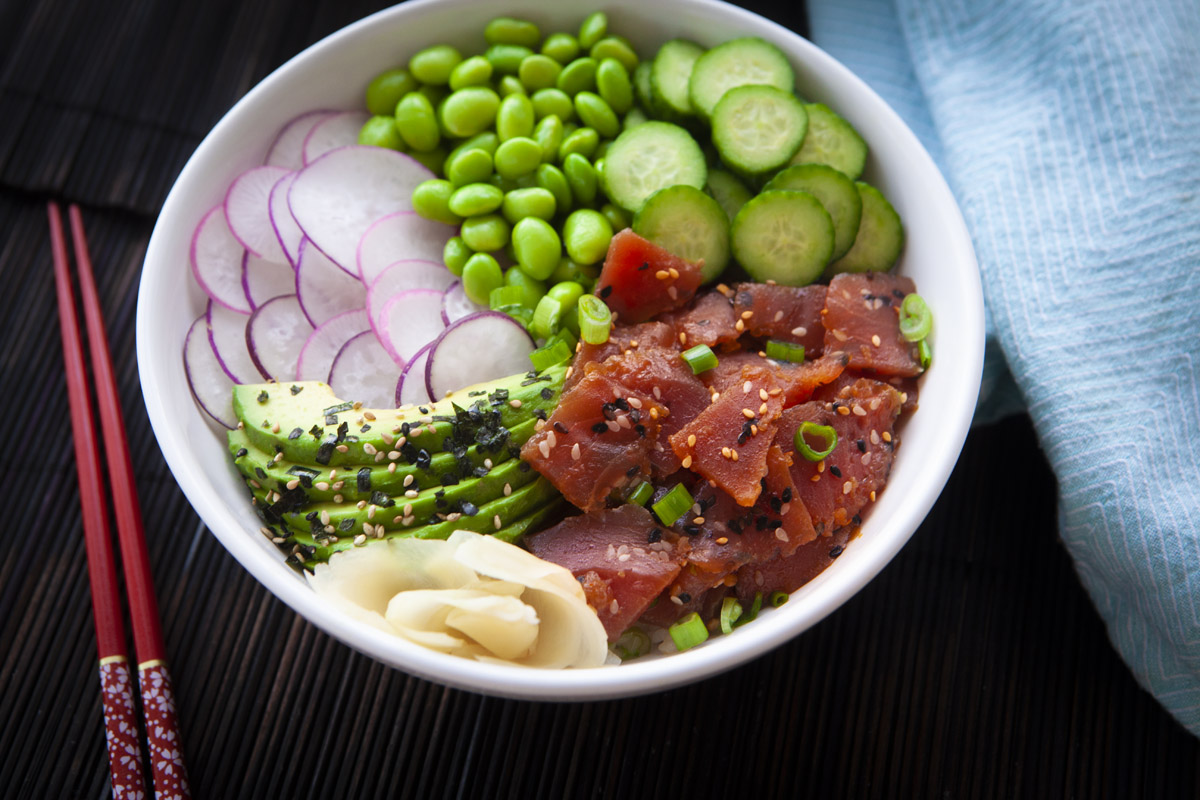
[778, 316]
[408, 479]
[507, 489]
[781, 534]
[411, 493]
[496, 522]
[360, 540]
[746, 387]
[635, 403]
[575, 454]
[369, 449]
[321, 486]
[859, 411]
[847, 487]
[800, 331]
[544, 448]
[624, 422]
[551, 439]
[875, 340]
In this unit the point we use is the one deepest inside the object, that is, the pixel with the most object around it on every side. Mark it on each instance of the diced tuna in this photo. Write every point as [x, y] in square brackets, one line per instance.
[787, 313]
[862, 319]
[709, 320]
[640, 280]
[620, 339]
[789, 574]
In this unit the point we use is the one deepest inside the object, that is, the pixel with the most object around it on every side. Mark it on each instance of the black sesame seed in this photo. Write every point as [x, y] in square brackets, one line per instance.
[684, 597]
[837, 473]
[836, 551]
[605, 292]
[645, 266]
[655, 535]
[241, 452]
[857, 520]
[774, 524]
[629, 473]
[423, 459]
[296, 433]
[787, 495]
[641, 430]
[599, 427]
[776, 504]
[470, 509]
[861, 445]
[691, 530]
[621, 403]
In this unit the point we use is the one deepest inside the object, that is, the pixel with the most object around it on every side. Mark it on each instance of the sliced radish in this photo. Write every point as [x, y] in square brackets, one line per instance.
[248, 210]
[275, 334]
[288, 147]
[482, 347]
[210, 385]
[456, 304]
[336, 130]
[411, 388]
[286, 230]
[365, 372]
[227, 334]
[263, 279]
[336, 198]
[325, 289]
[326, 341]
[405, 275]
[216, 259]
[410, 319]
[405, 234]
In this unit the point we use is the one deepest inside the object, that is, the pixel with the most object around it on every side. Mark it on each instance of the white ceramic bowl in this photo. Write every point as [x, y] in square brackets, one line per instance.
[333, 74]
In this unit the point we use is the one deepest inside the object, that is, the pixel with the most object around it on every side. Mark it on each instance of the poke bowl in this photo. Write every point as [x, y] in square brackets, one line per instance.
[332, 75]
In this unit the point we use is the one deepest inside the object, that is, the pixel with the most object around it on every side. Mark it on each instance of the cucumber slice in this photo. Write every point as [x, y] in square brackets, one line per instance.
[756, 129]
[832, 140]
[835, 191]
[688, 223]
[783, 236]
[730, 193]
[652, 156]
[669, 75]
[880, 236]
[738, 62]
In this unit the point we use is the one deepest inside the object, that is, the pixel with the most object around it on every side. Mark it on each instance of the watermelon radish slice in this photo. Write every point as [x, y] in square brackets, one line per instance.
[276, 332]
[324, 288]
[263, 280]
[410, 319]
[248, 210]
[456, 304]
[405, 234]
[227, 334]
[336, 130]
[286, 230]
[475, 349]
[365, 372]
[411, 388]
[404, 275]
[336, 198]
[326, 341]
[210, 385]
[216, 260]
[288, 148]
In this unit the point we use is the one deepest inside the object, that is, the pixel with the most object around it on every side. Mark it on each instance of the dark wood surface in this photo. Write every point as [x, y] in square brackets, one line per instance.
[974, 666]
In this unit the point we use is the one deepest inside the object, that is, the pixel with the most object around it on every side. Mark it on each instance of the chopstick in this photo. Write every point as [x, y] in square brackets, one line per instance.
[158, 702]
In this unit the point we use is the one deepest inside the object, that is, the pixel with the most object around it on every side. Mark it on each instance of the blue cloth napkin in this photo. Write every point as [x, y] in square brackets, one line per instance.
[1068, 132]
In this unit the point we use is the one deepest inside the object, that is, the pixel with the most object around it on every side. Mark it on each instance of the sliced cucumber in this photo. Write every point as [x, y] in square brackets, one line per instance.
[669, 75]
[784, 236]
[832, 140]
[730, 193]
[756, 129]
[738, 62]
[649, 157]
[835, 191]
[688, 223]
[880, 236]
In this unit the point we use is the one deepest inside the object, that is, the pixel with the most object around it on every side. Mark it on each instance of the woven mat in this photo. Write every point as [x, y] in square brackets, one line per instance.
[972, 667]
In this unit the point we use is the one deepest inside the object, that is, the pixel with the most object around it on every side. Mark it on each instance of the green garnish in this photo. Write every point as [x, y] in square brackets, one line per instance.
[673, 505]
[731, 609]
[785, 351]
[825, 433]
[632, 643]
[700, 358]
[688, 632]
[556, 351]
[916, 320]
[595, 320]
[778, 599]
[641, 494]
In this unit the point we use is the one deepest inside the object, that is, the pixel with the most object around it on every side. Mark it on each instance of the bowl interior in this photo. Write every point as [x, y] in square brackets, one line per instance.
[332, 74]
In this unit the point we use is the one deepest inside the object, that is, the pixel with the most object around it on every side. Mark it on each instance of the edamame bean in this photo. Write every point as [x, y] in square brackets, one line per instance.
[517, 156]
[549, 135]
[592, 29]
[433, 65]
[380, 131]
[532, 202]
[562, 47]
[486, 141]
[578, 76]
[507, 185]
[613, 84]
[480, 275]
[506, 58]
[455, 254]
[616, 217]
[596, 113]
[538, 72]
[385, 90]
[486, 233]
[468, 111]
[617, 47]
[582, 141]
[556, 102]
[515, 117]
[417, 123]
[475, 199]
[537, 247]
[601, 152]
[435, 94]
[552, 179]
[475, 71]
[586, 234]
[431, 199]
[509, 30]
[566, 292]
[469, 166]
[532, 288]
[568, 270]
[510, 84]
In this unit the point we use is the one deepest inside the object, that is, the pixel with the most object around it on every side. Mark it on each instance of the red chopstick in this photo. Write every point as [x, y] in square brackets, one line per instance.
[158, 701]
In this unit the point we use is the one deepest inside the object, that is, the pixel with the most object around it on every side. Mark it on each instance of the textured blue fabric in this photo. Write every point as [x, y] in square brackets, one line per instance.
[1069, 135]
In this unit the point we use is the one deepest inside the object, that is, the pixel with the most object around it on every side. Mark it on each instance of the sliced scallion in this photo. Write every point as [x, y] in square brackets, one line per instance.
[925, 354]
[595, 320]
[688, 632]
[700, 358]
[503, 296]
[731, 609]
[673, 505]
[750, 615]
[778, 599]
[641, 493]
[632, 643]
[556, 351]
[825, 433]
[916, 320]
[784, 351]
[546, 318]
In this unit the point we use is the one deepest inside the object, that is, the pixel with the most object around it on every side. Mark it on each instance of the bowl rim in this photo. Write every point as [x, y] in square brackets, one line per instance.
[833, 588]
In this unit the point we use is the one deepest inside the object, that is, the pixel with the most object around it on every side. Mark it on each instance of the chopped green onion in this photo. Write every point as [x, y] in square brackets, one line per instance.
[700, 358]
[731, 609]
[674, 504]
[925, 354]
[632, 643]
[503, 296]
[565, 335]
[824, 432]
[916, 320]
[752, 614]
[688, 632]
[778, 599]
[546, 318]
[595, 320]
[555, 352]
[641, 493]
[785, 351]
[521, 313]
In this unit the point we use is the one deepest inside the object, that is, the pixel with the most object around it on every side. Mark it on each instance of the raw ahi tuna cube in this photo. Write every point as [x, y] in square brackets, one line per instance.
[640, 280]
[787, 313]
[862, 320]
